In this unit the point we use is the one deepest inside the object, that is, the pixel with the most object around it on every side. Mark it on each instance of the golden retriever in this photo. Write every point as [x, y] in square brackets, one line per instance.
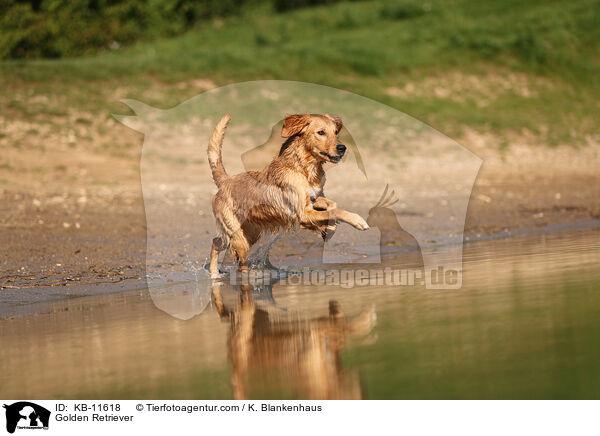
[288, 191]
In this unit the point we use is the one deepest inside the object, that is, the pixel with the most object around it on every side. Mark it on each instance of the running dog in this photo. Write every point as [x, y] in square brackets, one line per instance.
[288, 191]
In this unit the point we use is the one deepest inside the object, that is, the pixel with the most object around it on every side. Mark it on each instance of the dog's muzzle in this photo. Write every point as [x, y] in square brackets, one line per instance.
[341, 149]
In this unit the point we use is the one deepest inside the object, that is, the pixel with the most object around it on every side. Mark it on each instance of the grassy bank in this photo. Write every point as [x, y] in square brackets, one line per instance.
[510, 68]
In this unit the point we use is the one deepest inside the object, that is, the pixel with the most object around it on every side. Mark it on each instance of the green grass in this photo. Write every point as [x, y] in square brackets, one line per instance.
[367, 48]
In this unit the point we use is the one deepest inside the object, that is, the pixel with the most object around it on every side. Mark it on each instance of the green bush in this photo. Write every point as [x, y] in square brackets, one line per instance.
[404, 9]
[51, 28]
[24, 31]
[287, 5]
[57, 28]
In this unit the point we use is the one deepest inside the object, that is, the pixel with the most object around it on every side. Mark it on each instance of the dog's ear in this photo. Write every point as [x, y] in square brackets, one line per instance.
[293, 124]
[337, 120]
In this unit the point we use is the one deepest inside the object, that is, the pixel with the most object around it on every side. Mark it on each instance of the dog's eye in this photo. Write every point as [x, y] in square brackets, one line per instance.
[337, 131]
[321, 132]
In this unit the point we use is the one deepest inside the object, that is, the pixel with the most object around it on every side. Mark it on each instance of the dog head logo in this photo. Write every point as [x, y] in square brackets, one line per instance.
[430, 175]
[26, 415]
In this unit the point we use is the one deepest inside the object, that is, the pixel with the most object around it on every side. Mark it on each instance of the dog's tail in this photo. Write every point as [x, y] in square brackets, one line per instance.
[214, 151]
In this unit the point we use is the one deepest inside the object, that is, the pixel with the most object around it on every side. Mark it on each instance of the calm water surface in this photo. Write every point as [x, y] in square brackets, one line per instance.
[526, 324]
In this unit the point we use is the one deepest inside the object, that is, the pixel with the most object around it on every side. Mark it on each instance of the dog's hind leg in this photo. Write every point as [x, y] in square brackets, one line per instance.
[240, 246]
[241, 257]
[217, 247]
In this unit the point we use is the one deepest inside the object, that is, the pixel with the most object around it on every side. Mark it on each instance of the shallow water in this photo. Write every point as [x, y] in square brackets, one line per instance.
[525, 324]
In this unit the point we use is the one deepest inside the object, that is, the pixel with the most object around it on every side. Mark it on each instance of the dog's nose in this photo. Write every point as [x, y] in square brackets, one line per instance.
[341, 148]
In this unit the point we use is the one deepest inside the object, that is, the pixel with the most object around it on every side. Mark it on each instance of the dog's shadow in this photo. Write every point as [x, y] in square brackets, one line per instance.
[265, 341]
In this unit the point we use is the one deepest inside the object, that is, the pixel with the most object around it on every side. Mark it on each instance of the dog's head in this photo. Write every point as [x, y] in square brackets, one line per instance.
[319, 135]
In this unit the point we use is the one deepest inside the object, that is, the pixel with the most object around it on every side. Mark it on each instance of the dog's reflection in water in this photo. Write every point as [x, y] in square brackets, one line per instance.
[307, 352]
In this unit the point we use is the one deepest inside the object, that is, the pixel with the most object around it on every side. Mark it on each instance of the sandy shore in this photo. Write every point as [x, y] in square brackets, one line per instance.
[75, 217]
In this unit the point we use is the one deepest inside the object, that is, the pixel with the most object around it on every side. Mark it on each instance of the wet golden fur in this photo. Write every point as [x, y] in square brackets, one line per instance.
[288, 191]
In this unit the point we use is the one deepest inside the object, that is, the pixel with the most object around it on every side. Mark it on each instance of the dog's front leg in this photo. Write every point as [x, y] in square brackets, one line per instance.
[322, 203]
[312, 218]
[327, 230]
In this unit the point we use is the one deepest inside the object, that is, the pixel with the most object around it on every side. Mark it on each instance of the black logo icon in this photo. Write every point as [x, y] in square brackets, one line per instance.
[24, 414]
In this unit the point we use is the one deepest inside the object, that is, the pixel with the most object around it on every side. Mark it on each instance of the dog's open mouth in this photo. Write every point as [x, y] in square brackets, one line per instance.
[334, 159]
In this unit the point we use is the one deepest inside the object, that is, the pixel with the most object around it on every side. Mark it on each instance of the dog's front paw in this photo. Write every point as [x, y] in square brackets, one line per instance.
[358, 222]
